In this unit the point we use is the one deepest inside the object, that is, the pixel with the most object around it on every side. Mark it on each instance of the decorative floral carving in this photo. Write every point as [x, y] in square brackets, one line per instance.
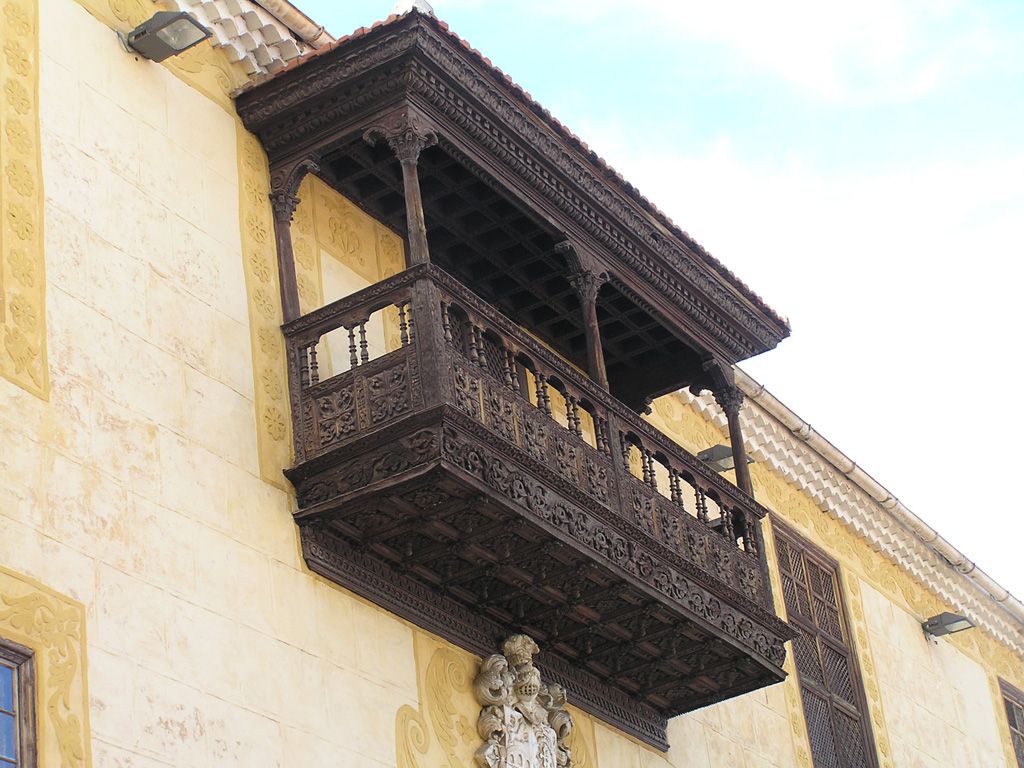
[257, 226]
[273, 420]
[523, 722]
[388, 394]
[24, 334]
[52, 626]
[18, 136]
[336, 415]
[20, 178]
[263, 303]
[20, 219]
[260, 265]
[22, 266]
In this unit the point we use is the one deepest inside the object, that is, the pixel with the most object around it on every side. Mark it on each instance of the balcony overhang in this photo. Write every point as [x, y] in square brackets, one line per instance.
[482, 118]
[435, 482]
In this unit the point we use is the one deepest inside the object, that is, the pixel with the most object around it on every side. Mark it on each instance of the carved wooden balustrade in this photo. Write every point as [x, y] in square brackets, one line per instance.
[475, 482]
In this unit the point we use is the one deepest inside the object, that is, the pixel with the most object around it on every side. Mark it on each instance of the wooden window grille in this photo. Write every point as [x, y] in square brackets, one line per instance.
[1013, 700]
[17, 718]
[830, 684]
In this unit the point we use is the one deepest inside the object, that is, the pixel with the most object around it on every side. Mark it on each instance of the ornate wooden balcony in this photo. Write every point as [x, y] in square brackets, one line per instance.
[475, 483]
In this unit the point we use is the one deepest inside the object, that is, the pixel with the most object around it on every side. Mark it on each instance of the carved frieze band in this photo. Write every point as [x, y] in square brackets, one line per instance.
[22, 279]
[605, 541]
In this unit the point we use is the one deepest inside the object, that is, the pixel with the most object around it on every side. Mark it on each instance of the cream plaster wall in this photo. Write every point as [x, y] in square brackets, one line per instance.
[938, 706]
[136, 489]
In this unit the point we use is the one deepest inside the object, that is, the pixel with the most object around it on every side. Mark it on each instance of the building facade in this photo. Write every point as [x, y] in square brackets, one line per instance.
[224, 543]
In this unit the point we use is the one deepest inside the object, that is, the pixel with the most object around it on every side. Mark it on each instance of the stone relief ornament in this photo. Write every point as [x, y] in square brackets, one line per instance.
[523, 722]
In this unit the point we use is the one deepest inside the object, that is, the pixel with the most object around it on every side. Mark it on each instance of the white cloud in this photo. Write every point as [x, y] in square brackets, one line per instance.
[902, 288]
[852, 52]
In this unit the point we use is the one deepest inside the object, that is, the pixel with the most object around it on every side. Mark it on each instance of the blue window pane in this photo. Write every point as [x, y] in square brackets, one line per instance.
[7, 737]
[6, 688]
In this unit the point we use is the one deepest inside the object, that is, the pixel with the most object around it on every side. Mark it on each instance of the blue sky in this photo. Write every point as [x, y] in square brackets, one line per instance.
[861, 166]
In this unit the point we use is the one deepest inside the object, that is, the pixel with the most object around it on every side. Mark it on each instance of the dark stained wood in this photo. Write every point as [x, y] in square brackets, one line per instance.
[405, 134]
[835, 708]
[502, 139]
[587, 285]
[475, 513]
[435, 479]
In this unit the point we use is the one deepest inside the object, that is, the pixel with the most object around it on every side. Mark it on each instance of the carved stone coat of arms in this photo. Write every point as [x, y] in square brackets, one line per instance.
[523, 722]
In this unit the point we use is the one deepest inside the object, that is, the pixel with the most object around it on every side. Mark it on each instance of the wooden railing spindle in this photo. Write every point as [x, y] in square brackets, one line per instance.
[446, 322]
[403, 327]
[353, 358]
[364, 347]
[702, 506]
[474, 351]
[543, 401]
[673, 485]
[573, 415]
[314, 371]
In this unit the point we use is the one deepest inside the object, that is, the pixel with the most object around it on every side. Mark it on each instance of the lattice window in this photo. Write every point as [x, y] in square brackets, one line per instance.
[1013, 699]
[17, 730]
[830, 686]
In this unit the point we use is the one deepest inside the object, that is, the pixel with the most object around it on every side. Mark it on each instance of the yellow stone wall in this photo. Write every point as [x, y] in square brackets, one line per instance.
[143, 500]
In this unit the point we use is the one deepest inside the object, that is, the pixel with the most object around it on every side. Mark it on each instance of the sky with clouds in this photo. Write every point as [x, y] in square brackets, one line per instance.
[861, 167]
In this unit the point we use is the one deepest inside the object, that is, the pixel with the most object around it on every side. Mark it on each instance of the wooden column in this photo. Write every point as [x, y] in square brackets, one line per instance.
[404, 133]
[587, 285]
[284, 187]
[284, 208]
[731, 400]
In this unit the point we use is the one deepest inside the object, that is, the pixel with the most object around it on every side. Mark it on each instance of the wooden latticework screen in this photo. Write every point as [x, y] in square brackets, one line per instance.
[830, 686]
[1014, 701]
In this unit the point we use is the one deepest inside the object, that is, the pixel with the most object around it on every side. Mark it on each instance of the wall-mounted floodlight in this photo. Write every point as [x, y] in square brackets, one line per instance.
[166, 34]
[720, 458]
[946, 624]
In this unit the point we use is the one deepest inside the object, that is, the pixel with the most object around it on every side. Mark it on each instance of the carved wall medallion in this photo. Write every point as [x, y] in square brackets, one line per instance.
[523, 723]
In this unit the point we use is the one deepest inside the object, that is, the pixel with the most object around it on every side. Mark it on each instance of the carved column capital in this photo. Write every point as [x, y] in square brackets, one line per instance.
[729, 399]
[588, 284]
[404, 132]
[284, 205]
[284, 186]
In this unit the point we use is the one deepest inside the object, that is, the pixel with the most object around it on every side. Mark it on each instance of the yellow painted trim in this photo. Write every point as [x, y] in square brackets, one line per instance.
[22, 279]
[259, 258]
[443, 730]
[53, 626]
[1002, 724]
[862, 648]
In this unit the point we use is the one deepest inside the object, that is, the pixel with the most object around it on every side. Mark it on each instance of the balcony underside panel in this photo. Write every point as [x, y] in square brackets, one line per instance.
[461, 533]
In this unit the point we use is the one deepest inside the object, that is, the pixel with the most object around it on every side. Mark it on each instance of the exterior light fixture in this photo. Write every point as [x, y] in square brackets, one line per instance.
[946, 624]
[165, 34]
[719, 458]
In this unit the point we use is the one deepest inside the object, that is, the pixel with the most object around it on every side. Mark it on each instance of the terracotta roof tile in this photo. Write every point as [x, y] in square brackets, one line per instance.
[601, 166]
